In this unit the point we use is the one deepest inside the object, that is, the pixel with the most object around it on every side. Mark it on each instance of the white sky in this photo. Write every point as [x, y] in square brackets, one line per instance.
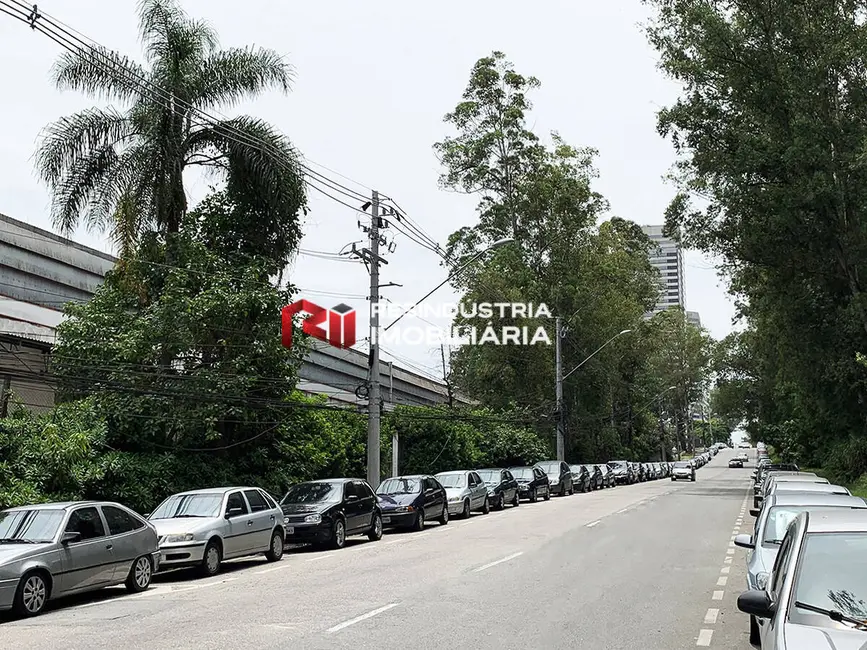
[373, 82]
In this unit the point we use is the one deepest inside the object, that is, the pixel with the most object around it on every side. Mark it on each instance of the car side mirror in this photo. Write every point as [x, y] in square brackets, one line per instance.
[70, 537]
[352, 497]
[146, 515]
[754, 512]
[233, 512]
[756, 602]
[744, 541]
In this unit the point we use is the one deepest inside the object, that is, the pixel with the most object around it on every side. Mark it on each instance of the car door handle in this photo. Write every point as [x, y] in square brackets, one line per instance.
[108, 547]
[250, 523]
[271, 517]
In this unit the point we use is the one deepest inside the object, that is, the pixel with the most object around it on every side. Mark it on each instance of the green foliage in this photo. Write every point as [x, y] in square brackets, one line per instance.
[123, 169]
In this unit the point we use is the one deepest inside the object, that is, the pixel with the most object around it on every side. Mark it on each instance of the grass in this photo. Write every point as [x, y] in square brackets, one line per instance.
[857, 487]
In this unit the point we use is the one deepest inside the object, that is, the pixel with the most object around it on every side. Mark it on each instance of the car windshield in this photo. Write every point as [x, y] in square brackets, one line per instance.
[29, 526]
[550, 468]
[617, 464]
[314, 493]
[777, 522]
[682, 464]
[490, 475]
[522, 472]
[189, 505]
[452, 480]
[832, 575]
[400, 485]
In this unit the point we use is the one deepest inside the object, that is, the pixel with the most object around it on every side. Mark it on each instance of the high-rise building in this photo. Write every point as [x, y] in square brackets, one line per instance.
[694, 318]
[667, 258]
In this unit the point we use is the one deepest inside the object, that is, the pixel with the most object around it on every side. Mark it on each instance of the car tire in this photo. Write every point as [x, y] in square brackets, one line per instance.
[755, 639]
[275, 550]
[466, 511]
[533, 496]
[444, 518]
[375, 532]
[692, 479]
[517, 500]
[31, 595]
[212, 558]
[548, 494]
[418, 524]
[338, 534]
[139, 577]
[486, 507]
[571, 490]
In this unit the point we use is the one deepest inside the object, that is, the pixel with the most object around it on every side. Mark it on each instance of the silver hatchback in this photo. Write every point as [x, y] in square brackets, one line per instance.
[57, 549]
[202, 528]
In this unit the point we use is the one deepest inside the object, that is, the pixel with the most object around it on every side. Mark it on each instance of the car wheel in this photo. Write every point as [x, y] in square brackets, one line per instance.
[692, 479]
[571, 490]
[338, 534]
[755, 639]
[533, 496]
[517, 500]
[547, 494]
[275, 551]
[501, 503]
[466, 512]
[375, 532]
[673, 479]
[419, 520]
[444, 518]
[31, 595]
[212, 559]
[486, 507]
[139, 577]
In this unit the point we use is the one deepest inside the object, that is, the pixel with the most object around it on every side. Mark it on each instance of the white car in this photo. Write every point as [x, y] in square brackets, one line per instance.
[465, 491]
[204, 527]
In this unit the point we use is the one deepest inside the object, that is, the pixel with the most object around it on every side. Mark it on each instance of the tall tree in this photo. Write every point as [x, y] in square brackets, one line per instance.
[121, 169]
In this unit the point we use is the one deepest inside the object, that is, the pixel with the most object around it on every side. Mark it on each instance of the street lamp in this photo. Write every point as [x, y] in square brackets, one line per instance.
[496, 244]
[560, 378]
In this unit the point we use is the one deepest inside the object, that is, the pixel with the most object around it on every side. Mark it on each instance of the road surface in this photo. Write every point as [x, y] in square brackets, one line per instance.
[650, 566]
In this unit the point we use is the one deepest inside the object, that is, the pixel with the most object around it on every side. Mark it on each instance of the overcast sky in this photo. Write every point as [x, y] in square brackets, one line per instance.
[373, 81]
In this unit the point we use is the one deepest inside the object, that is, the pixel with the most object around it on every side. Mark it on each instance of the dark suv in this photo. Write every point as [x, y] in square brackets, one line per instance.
[532, 483]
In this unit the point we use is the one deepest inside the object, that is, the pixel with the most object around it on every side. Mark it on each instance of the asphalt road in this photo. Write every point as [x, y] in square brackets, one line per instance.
[650, 566]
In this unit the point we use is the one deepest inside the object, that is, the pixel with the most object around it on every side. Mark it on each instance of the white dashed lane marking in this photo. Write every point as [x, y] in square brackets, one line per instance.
[711, 616]
[718, 595]
[363, 617]
[704, 637]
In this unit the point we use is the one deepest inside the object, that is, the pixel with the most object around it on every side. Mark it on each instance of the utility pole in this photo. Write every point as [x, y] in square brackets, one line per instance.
[661, 430]
[558, 360]
[446, 376]
[373, 406]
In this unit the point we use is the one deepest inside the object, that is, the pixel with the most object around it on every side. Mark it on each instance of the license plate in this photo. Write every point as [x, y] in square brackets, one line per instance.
[290, 530]
[386, 520]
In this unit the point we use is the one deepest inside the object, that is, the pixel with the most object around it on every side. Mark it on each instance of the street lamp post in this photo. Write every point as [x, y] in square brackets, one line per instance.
[374, 342]
[560, 378]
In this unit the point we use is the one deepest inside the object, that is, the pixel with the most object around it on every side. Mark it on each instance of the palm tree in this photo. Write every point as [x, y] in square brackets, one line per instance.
[121, 170]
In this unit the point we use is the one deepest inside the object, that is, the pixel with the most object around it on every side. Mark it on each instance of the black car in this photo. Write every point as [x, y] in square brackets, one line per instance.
[581, 478]
[608, 478]
[532, 483]
[328, 511]
[502, 487]
[559, 476]
[596, 478]
[622, 471]
[411, 501]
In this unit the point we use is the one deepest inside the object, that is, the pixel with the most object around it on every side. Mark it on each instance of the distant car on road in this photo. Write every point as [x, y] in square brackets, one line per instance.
[683, 470]
[814, 598]
[466, 492]
[770, 529]
[54, 549]
[559, 476]
[736, 462]
[411, 501]
[201, 528]
[532, 483]
[330, 510]
[502, 487]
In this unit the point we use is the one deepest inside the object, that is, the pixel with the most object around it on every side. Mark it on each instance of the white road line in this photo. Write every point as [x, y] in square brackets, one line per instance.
[722, 581]
[718, 595]
[394, 541]
[711, 616]
[725, 569]
[728, 560]
[279, 567]
[500, 561]
[420, 535]
[732, 542]
[363, 617]
[730, 551]
[594, 523]
[704, 637]
[620, 512]
[205, 585]
[320, 557]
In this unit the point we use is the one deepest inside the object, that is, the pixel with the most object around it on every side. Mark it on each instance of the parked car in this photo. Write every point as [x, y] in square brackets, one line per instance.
[411, 501]
[201, 528]
[57, 549]
[502, 487]
[607, 475]
[816, 586]
[770, 529]
[532, 483]
[683, 469]
[330, 510]
[466, 492]
[559, 476]
[764, 472]
[623, 473]
[736, 462]
[785, 477]
[582, 479]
